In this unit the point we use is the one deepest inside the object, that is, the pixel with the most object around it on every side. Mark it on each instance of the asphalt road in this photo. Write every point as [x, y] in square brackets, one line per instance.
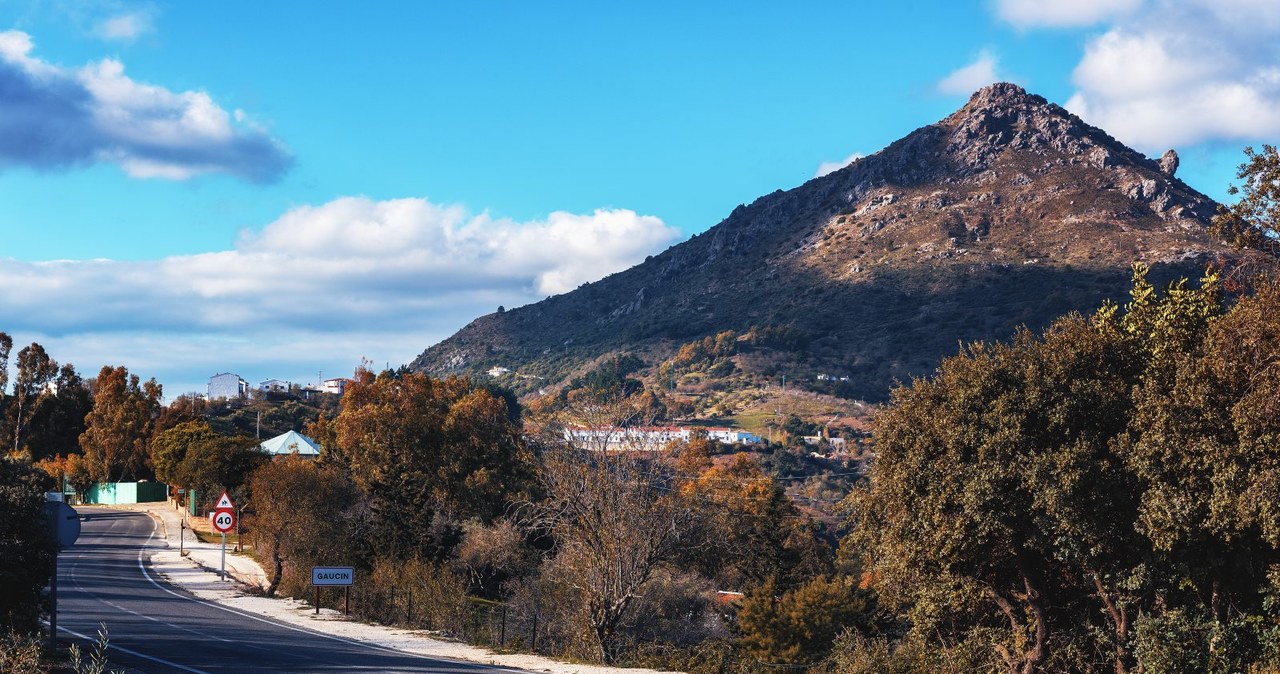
[157, 627]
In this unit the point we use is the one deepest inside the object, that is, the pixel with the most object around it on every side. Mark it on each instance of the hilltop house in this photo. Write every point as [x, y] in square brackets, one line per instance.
[274, 386]
[336, 386]
[227, 386]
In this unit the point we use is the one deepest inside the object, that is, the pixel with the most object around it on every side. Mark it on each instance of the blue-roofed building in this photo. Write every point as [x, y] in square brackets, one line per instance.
[290, 443]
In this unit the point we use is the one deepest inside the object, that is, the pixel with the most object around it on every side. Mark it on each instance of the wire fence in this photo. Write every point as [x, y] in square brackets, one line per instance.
[474, 620]
[497, 625]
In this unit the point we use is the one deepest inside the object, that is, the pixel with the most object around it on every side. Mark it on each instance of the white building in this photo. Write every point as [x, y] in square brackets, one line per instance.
[336, 386]
[227, 386]
[650, 438]
[498, 371]
[274, 386]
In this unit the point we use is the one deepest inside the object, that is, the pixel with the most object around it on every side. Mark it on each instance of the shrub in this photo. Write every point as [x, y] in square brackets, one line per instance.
[19, 654]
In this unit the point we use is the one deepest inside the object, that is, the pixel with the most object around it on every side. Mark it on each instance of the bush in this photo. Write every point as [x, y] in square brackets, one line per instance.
[799, 627]
[27, 547]
[97, 662]
[676, 609]
[1172, 643]
[439, 594]
[19, 654]
[855, 653]
[709, 657]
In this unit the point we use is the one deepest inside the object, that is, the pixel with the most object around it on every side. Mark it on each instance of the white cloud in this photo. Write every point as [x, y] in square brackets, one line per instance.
[1063, 13]
[123, 27]
[322, 286]
[1177, 72]
[970, 78]
[828, 167]
[56, 117]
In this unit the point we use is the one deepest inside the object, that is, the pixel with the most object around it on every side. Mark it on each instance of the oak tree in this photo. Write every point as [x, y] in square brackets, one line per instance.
[194, 456]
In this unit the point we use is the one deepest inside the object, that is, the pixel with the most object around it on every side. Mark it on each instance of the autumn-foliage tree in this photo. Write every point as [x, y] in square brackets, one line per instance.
[754, 531]
[118, 427]
[429, 454]
[301, 517]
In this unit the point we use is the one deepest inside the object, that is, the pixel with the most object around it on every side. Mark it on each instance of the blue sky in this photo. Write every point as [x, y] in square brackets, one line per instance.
[282, 189]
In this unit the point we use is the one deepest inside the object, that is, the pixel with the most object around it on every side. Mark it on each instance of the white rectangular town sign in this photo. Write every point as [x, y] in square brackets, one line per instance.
[332, 575]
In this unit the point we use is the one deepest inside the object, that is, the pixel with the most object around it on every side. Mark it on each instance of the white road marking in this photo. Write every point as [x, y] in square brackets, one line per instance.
[359, 644]
[350, 642]
[136, 654]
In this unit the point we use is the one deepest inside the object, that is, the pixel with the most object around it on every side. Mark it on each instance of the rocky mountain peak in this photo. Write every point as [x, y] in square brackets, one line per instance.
[1005, 136]
[1002, 95]
[1012, 210]
[1004, 116]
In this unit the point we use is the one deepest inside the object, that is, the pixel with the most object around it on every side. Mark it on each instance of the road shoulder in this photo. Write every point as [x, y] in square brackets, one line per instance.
[195, 571]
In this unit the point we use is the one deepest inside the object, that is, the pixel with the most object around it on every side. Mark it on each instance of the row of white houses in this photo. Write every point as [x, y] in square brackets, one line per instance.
[651, 437]
[232, 386]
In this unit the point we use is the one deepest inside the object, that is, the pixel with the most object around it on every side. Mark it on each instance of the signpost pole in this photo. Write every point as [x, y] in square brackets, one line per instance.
[224, 519]
[53, 605]
[340, 576]
[65, 524]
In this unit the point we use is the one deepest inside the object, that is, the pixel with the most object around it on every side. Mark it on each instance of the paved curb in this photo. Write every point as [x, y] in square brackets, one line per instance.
[199, 579]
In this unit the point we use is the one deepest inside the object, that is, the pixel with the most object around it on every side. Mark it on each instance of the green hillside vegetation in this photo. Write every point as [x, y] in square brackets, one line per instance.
[267, 415]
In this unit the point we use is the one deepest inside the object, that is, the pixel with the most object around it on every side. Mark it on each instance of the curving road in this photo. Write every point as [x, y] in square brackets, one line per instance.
[157, 627]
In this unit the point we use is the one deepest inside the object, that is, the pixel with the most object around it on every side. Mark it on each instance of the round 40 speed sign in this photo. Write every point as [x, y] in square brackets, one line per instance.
[224, 520]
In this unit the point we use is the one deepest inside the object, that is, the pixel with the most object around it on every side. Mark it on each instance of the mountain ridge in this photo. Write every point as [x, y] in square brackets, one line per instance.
[1009, 211]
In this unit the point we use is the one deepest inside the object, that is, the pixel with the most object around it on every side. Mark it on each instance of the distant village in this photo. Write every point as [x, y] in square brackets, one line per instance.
[231, 386]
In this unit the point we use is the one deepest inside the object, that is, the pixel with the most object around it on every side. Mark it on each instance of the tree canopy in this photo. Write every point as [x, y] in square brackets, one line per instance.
[119, 425]
[1103, 488]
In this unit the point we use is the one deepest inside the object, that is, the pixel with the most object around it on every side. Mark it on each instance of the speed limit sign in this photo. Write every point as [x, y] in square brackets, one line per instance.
[224, 520]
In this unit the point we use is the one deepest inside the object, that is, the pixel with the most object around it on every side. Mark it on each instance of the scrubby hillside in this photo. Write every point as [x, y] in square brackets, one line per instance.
[1010, 211]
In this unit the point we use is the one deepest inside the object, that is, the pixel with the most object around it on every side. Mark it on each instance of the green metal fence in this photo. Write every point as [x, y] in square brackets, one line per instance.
[120, 493]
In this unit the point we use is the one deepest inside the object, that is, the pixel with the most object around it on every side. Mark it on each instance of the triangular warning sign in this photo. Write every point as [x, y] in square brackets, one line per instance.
[224, 503]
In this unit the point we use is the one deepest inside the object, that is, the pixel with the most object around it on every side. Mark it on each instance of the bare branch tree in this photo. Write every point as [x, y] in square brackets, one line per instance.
[615, 519]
